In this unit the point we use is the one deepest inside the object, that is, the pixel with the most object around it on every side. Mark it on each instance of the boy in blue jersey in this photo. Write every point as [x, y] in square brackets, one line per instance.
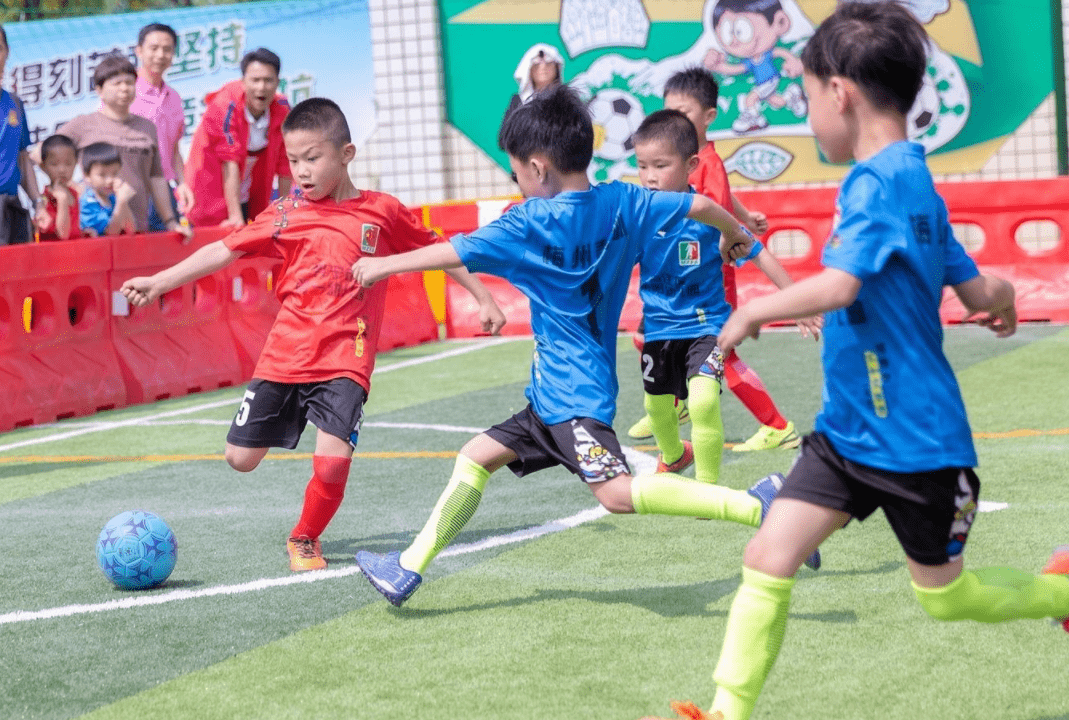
[893, 431]
[571, 249]
[684, 306]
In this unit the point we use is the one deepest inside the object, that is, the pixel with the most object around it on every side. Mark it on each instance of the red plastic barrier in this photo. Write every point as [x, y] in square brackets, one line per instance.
[183, 343]
[407, 318]
[65, 365]
[253, 308]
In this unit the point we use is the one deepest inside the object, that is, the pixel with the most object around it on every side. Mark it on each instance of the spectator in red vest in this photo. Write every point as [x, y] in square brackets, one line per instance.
[237, 149]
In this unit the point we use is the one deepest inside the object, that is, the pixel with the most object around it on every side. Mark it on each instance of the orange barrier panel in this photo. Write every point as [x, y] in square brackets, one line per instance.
[407, 318]
[56, 356]
[182, 343]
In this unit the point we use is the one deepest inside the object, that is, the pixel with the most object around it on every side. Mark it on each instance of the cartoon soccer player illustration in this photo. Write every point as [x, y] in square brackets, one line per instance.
[751, 30]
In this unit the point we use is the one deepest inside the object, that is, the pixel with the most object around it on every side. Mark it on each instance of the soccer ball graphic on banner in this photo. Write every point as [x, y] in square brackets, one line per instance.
[616, 115]
[137, 550]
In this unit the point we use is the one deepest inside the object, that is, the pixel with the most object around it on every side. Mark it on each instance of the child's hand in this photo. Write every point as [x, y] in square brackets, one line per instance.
[811, 326]
[63, 195]
[367, 271]
[140, 291]
[735, 330]
[736, 244]
[124, 192]
[1001, 322]
[491, 317]
[757, 223]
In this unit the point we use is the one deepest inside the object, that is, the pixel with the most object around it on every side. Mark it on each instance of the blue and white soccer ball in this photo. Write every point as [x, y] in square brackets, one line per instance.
[137, 550]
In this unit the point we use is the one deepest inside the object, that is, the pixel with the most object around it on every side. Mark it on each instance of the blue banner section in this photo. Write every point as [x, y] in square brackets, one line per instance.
[52, 61]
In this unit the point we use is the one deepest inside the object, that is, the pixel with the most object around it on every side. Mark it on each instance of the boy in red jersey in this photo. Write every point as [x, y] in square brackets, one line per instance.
[317, 361]
[694, 93]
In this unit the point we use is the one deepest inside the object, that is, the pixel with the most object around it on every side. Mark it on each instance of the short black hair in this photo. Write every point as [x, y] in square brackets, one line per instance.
[881, 46]
[156, 27]
[768, 8]
[555, 122]
[261, 55]
[695, 82]
[99, 153]
[53, 142]
[673, 127]
[110, 66]
[321, 115]
[3, 34]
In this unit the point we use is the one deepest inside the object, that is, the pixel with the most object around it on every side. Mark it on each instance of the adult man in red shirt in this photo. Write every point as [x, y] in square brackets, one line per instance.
[237, 149]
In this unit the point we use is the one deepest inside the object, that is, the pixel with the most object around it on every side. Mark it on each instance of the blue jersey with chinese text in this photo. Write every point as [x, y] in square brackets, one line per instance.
[572, 256]
[891, 400]
[681, 282]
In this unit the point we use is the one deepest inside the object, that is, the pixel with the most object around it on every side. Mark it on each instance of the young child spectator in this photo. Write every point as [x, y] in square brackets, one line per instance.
[106, 201]
[694, 92]
[132, 135]
[905, 444]
[317, 361]
[683, 306]
[59, 218]
[570, 248]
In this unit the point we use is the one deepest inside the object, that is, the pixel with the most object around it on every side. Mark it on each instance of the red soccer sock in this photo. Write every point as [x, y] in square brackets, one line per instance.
[323, 495]
[749, 389]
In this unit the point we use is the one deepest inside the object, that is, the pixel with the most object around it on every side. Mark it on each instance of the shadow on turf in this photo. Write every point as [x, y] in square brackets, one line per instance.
[667, 601]
[399, 541]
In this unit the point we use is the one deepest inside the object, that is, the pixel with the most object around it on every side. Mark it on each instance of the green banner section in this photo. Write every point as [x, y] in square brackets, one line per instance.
[990, 66]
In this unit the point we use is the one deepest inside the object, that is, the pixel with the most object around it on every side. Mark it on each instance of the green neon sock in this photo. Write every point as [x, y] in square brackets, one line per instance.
[707, 432]
[667, 494]
[664, 421]
[997, 594]
[455, 507]
[754, 634]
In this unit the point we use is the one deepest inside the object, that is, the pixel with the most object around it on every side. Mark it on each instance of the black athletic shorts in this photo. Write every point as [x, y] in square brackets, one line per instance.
[274, 414]
[667, 365]
[930, 512]
[585, 446]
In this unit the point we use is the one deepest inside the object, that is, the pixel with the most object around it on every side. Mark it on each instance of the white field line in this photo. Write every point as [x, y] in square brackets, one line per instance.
[640, 462]
[136, 421]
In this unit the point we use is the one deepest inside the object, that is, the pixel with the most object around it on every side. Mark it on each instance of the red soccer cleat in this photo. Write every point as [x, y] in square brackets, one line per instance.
[684, 461]
[689, 711]
[1059, 565]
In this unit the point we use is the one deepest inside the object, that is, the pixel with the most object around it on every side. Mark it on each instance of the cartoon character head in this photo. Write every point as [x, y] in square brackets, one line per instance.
[594, 459]
[749, 28]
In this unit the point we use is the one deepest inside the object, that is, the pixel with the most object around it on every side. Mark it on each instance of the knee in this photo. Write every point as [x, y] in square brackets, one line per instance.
[615, 495]
[770, 558]
[241, 459]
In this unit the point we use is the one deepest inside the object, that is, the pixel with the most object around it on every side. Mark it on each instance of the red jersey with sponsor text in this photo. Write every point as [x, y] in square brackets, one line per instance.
[710, 178]
[328, 326]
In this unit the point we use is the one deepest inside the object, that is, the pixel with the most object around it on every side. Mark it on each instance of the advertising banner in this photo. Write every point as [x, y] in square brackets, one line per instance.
[325, 47]
[989, 67]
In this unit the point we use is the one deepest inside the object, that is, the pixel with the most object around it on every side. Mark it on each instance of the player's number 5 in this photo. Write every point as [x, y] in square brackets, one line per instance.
[243, 411]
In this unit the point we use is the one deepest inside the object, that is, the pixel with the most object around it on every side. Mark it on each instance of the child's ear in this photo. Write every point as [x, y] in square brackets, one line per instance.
[348, 152]
[538, 167]
[708, 116]
[692, 163]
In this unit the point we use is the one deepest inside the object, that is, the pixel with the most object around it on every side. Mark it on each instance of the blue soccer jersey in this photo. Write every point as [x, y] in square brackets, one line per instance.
[572, 256]
[682, 284]
[891, 400]
[14, 138]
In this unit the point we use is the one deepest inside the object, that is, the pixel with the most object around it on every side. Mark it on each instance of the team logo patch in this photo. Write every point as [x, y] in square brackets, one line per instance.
[369, 238]
[689, 253]
[12, 118]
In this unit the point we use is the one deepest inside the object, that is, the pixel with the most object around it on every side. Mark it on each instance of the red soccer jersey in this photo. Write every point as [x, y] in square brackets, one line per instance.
[710, 178]
[328, 326]
[48, 230]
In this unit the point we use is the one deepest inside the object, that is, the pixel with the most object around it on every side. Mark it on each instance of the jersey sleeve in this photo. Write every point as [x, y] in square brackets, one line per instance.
[408, 231]
[755, 250]
[959, 266]
[219, 126]
[258, 237]
[496, 248]
[653, 210]
[867, 234]
[92, 215]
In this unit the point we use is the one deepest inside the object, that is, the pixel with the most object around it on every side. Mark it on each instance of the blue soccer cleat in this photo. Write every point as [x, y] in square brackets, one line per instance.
[765, 490]
[387, 575]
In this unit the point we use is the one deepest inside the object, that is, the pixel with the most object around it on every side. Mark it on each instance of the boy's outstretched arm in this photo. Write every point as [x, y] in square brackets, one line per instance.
[441, 256]
[830, 290]
[490, 314]
[757, 222]
[767, 263]
[991, 295]
[141, 291]
[735, 240]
